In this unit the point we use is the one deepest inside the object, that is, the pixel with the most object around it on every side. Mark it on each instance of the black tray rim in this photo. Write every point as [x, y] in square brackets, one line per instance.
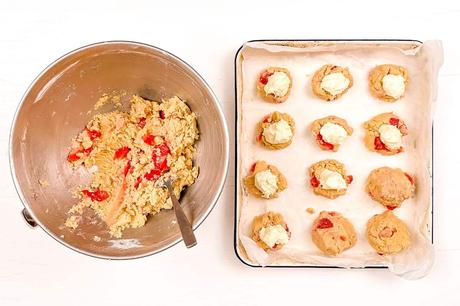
[235, 221]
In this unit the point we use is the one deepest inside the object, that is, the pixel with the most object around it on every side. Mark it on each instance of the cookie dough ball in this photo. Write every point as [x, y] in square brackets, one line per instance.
[270, 232]
[274, 84]
[384, 134]
[276, 130]
[330, 132]
[388, 82]
[387, 234]
[390, 186]
[265, 181]
[329, 178]
[332, 233]
[330, 82]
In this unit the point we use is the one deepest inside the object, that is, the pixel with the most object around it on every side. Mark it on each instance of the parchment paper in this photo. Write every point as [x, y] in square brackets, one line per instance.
[356, 106]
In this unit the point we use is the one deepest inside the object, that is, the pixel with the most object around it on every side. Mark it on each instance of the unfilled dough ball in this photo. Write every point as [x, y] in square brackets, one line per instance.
[332, 233]
[387, 234]
[390, 186]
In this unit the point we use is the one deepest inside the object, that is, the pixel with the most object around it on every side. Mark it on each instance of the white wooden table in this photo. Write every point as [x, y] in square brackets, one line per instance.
[34, 269]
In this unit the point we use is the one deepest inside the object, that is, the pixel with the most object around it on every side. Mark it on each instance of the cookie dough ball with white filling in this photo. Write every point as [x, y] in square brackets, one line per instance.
[332, 233]
[384, 134]
[387, 234]
[390, 186]
[270, 232]
[276, 130]
[274, 84]
[388, 82]
[330, 132]
[329, 178]
[330, 82]
[264, 181]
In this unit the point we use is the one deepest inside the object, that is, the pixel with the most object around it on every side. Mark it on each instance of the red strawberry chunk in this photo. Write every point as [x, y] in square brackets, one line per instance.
[324, 223]
[154, 174]
[264, 77]
[149, 139]
[394, 121]
[93, 134]
[75, 154]
[142, 122]
[96, 195]
[327, 145]
[410, 178]
[314, 181]
[121, 153]
[349, 179]
[162, 114]
[138, 182]
[379, 145]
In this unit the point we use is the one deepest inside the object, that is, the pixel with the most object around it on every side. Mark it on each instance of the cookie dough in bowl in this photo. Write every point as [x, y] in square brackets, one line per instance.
[390, 186]
[332, 233]
[130, 152]
[329, 178]
[264, 180]
[276, 130]
[330, 82]
[274, 84]
[270, 232]
[387, 234]
[384, 134]
[388, 82]
[330, 132]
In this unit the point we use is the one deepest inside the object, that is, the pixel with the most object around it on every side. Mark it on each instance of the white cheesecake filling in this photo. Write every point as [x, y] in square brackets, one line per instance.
[391, 136]
[273, 235]
[394, 85]
[332, 180]
[278, 84]
[277, 132]
[266, 182]
[333, 133]
[335, 83]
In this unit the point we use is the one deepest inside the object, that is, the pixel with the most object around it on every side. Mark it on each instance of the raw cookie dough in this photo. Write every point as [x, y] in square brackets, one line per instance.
[384, 134]
[390, 186]
[330, 82]
[329, 179]
[130, 151]
[270, 228]
[388, 82]
[332, 233]
[276, 130]
[264, 180]
[274, 84]
[387, 234]
[330, 132]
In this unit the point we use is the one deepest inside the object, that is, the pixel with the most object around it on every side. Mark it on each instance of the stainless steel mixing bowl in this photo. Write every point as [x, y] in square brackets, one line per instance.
[56, 107]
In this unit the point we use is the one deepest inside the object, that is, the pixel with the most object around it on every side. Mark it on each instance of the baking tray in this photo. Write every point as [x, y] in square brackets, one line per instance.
[239, 251]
